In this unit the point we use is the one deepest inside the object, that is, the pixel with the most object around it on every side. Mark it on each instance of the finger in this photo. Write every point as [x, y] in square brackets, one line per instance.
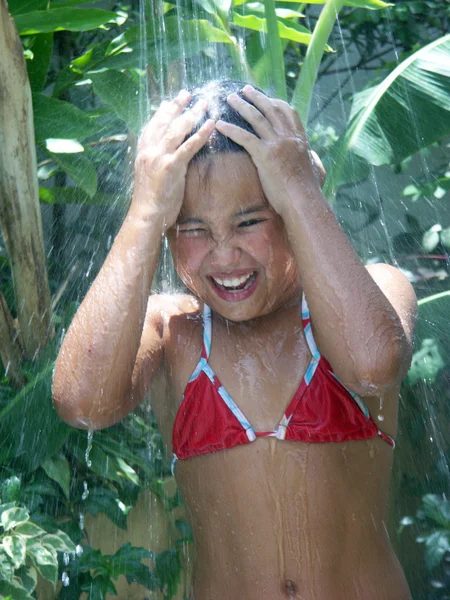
[273, 110]
[244, 138]
[252, 115]
[192, 145]
[158, 124]
[183, 125]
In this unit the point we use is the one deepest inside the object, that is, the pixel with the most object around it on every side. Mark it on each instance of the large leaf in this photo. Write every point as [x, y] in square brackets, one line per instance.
[371, 4]
[57, 468]
[60, 19]
[408, 111]
[45, 560]
[132, 58]
[37, 67]
[80, 169]
[15, 547]
[51, 117]
[287, 29]
[122, 93]
[30, 429]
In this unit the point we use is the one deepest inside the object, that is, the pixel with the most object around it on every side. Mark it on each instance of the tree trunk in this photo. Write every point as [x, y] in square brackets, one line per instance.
[20, 215]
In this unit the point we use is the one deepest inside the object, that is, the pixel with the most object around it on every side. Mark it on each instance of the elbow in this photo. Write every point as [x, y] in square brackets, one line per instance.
[387, 369]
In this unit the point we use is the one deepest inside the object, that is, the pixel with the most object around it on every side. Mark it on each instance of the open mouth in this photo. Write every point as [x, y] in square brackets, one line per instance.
[235, 284]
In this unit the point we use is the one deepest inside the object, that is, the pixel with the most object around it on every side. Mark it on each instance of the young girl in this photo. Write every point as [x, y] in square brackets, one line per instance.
[275, 381]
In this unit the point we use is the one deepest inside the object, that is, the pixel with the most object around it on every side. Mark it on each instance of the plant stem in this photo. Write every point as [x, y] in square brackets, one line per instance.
[275, 49]
[301, 98]
[432, 298]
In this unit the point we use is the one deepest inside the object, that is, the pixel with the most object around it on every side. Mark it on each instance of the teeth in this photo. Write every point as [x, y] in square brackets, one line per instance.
[235, 282]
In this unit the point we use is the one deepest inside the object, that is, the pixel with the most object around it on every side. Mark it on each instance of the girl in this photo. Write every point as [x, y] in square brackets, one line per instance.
[275, 380]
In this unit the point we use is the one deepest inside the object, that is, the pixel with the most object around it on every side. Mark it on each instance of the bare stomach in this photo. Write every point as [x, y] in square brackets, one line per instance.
[281, 520]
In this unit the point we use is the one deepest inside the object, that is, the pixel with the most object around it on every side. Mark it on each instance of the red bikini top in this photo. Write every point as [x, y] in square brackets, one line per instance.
[322, 409]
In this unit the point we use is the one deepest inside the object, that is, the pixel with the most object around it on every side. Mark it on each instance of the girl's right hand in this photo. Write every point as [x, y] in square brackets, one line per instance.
[163, 158]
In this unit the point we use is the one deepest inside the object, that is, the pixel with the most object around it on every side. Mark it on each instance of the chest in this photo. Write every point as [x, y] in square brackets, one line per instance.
[261, 373]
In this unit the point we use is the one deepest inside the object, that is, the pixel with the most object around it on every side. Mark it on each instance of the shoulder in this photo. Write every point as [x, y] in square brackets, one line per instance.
[167, 311]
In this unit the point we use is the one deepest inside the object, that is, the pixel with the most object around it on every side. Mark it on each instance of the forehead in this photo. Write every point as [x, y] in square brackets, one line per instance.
[224, 184]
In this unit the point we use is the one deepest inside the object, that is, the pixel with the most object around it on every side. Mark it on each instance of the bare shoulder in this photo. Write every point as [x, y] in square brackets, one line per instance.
[169, 311]
[165, 306]
[398, 290]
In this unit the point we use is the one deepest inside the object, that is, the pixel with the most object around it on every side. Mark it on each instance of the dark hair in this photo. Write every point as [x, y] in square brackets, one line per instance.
[216, 93]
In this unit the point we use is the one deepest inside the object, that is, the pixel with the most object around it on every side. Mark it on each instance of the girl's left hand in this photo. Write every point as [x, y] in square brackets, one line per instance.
[286, 166]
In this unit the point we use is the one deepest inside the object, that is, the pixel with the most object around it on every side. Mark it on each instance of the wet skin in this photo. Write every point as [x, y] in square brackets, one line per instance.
[271, 519]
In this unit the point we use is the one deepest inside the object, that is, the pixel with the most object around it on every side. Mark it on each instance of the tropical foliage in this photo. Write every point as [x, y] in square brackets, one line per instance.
[96, 74]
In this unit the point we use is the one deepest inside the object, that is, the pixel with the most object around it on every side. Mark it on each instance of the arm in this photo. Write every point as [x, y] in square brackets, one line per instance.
[364, 330]
[114, 344]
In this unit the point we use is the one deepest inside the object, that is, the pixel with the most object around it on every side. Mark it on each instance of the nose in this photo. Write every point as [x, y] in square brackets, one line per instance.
[225, 253]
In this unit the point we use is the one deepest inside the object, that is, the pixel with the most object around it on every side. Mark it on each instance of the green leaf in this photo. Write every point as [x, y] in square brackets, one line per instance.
[62, 146]
[173, 51]
[59, 541]
[13, 517]
[10, 489]
[45, 560]
[6, 565]
[71, 195]
[15, 547]
[17, 7]
[60, 19]
[29, 529]
[370, 4]
[30, 429]
[80, 169]
[436, 547]
[103, 500]
[28, 578]
[42, 48]
[287, 29]
[122, 93]
[13, 590]
[408, 111]
[167, 570]
[127, 559]
[57, 468]
[52, 116]
[213, 7]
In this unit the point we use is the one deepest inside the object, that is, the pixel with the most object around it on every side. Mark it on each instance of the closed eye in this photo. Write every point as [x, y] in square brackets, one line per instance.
[250, 222]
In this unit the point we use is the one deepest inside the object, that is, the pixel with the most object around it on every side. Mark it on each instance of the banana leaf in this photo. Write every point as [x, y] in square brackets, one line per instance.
[405, 113]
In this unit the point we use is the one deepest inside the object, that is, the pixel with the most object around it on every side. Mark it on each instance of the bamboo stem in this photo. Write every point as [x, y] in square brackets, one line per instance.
[301, 99]
[275, 49]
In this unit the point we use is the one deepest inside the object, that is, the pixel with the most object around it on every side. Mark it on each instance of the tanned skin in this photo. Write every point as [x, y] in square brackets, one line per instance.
[272, 519]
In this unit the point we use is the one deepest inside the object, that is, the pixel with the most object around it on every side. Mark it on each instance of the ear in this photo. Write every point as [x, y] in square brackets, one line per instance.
[319, 168]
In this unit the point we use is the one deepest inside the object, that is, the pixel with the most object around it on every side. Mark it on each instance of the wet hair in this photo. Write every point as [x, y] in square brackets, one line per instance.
[216, 93]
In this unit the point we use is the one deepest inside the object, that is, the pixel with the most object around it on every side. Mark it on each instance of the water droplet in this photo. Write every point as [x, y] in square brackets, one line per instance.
[380, 418]
[78, 550]
[66, 558]
[90, 437]
[65, 579]
[85, 494]
[81, 523]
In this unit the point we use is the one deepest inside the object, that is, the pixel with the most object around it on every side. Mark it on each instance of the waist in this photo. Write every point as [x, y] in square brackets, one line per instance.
[374, 575]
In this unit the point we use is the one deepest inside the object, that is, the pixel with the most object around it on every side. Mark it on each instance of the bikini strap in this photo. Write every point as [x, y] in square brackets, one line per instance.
[307, 329]
[207, 332]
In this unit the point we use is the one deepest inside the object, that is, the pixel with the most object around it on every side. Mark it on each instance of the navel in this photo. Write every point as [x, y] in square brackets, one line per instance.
[289, 588]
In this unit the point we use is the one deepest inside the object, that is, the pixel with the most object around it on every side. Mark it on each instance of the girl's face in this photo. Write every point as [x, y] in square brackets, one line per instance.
[229, 246]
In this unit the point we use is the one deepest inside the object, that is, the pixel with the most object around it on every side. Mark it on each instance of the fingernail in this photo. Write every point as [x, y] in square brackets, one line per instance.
[248, 88]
